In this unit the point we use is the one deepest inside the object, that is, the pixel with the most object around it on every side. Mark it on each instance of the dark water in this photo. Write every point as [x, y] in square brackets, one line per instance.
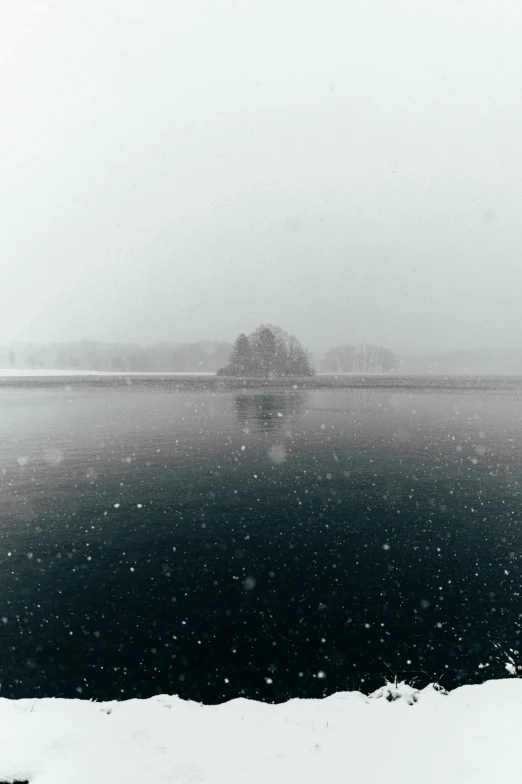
[269, 543]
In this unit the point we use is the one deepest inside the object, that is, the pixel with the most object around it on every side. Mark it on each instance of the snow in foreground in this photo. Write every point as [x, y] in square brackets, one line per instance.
[471, 735]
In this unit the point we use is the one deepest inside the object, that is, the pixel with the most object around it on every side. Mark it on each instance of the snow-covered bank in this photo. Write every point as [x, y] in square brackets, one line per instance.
[45, 373]
[471, 735]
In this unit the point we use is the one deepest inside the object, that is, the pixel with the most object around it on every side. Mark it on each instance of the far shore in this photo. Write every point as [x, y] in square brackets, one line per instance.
[201, 381]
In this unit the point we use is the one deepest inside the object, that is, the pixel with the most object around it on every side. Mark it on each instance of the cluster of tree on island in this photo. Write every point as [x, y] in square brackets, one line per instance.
[267, 352]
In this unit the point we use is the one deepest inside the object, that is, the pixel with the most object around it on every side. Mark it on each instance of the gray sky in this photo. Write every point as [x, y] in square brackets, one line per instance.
[350, 170]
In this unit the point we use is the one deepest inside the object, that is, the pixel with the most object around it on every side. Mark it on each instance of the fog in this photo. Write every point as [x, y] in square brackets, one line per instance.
[185, 171]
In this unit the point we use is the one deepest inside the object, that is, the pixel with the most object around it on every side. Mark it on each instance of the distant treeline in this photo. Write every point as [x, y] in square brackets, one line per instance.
[211, 356]
[359, 359]
[203, 357]
[267, 351]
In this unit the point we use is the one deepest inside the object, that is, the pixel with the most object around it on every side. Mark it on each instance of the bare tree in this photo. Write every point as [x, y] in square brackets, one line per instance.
[359, 359]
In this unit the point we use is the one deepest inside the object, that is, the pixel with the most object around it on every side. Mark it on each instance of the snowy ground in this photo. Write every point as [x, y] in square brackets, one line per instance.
[471, 736]
[28, 373]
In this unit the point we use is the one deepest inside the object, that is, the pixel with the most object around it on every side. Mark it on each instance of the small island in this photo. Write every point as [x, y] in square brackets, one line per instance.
[269, 352]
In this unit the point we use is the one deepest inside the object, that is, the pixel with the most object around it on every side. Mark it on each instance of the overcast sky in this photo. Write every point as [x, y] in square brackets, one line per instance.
[348, 169]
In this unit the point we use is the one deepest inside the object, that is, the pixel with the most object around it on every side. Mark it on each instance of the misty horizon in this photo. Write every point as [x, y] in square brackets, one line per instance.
[167, 341]
[349, 172]
[217, 357]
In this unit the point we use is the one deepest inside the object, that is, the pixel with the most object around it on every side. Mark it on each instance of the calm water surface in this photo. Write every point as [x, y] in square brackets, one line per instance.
[269, 543]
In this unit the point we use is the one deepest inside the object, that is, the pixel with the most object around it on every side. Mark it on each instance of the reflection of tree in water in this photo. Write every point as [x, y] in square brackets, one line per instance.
[269, 412]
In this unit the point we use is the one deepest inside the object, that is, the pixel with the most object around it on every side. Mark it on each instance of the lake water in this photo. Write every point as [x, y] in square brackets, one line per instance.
[264, 542]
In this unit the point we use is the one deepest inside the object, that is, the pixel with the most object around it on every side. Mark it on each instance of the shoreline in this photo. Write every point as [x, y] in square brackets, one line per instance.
[204, 381]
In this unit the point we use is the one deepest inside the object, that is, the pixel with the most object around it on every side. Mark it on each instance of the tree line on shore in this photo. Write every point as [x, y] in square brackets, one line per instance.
[202, 357]
[267, 352]
[359, 359]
